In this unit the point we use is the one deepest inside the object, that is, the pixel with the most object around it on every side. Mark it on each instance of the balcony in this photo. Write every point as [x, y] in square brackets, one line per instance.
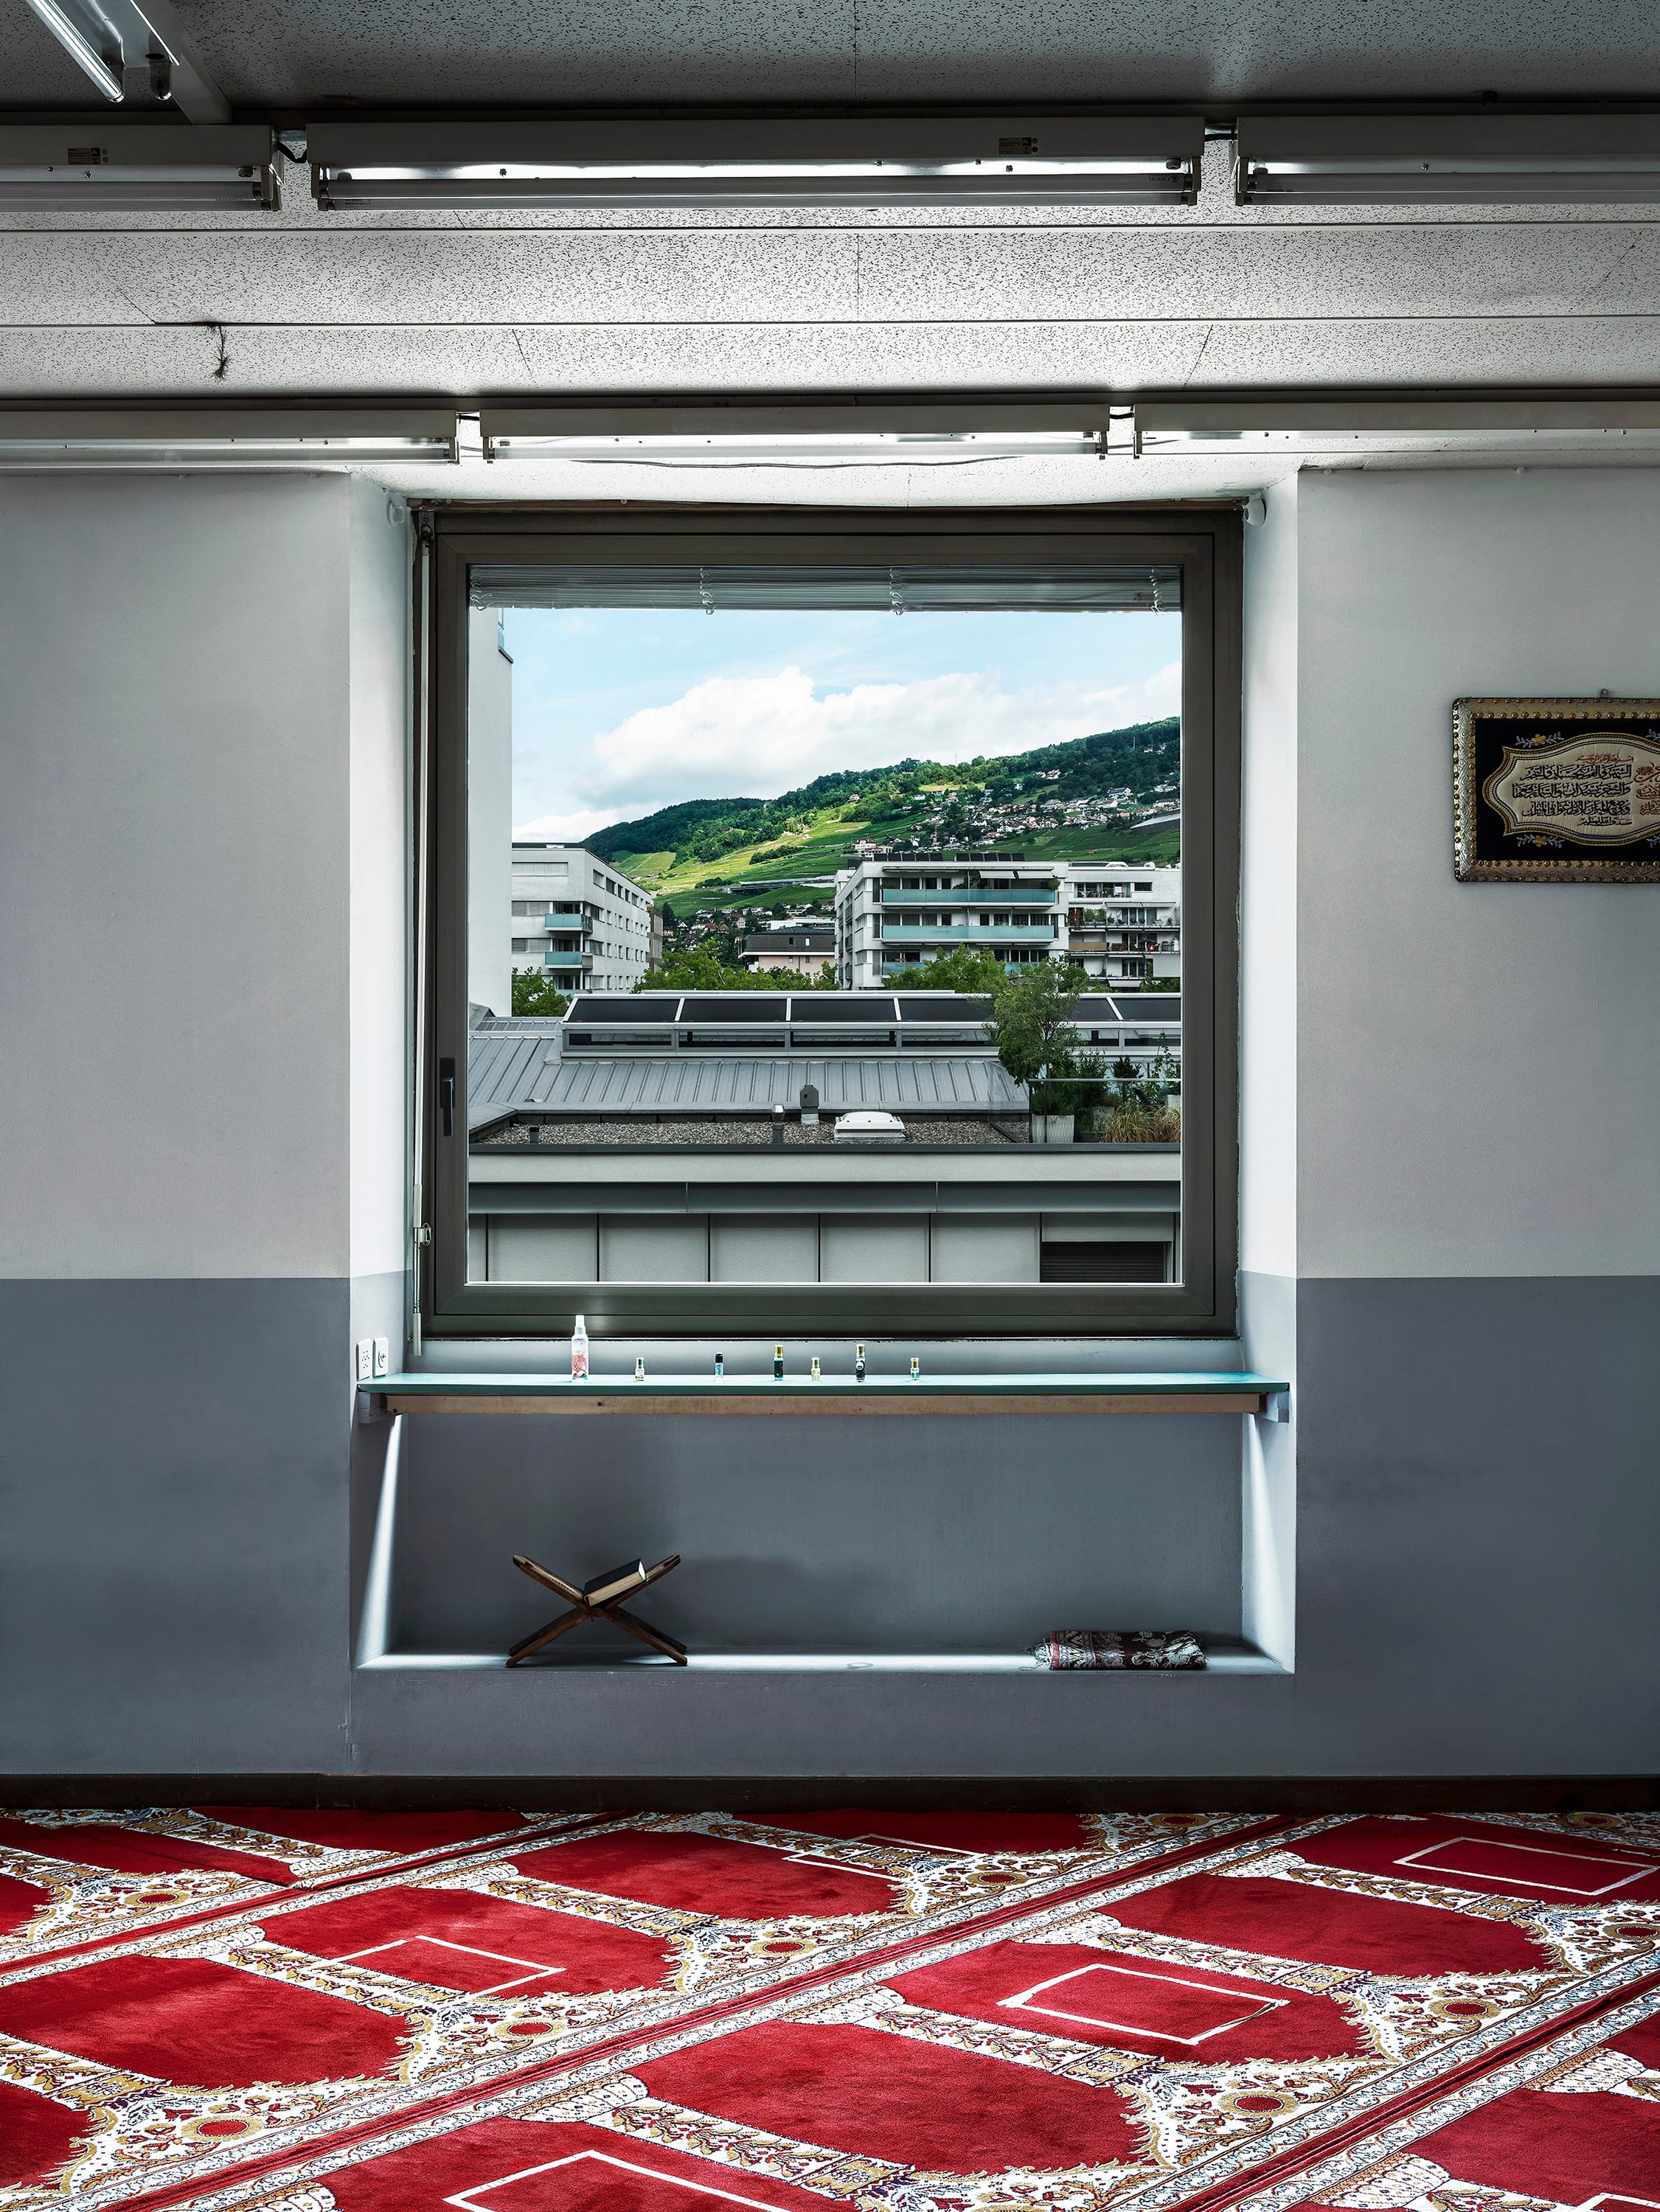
[968, 933]
[568, 963]
[568, 924]
[974, 894]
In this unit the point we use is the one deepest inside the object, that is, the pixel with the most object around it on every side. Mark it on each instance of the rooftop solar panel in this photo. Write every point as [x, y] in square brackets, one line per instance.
[625, 1011]
[745, 1006]
[819, 1007]
[943, 1007]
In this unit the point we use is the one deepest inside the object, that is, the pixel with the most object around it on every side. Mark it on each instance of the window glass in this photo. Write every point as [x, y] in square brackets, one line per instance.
[795, 952]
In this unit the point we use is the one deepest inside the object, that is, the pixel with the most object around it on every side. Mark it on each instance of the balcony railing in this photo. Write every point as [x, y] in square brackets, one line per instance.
[571, 924]
[973, 894]
[569, 962]
[968, 933]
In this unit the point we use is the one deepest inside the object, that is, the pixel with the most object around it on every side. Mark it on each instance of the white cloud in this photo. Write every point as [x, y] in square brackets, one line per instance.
[756, 735]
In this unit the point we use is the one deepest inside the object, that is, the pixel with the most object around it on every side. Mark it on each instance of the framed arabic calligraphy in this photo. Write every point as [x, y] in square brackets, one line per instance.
[1556, 791]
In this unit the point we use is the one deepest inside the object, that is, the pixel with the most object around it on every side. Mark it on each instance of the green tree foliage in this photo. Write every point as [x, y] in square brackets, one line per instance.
[696, 967]
[961, 967]
[1032, 1025]
[535, 995]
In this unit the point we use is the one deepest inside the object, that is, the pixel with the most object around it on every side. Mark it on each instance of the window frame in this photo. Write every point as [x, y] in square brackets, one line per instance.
[1206, 541]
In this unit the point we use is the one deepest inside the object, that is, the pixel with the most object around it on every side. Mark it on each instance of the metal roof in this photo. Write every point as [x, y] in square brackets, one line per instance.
[517, 1065]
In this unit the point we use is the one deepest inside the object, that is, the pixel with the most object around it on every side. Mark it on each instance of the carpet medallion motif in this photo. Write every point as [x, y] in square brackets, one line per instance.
[907, 2014]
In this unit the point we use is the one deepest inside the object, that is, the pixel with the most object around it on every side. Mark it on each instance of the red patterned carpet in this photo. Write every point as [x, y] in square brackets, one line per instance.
[904, 2013]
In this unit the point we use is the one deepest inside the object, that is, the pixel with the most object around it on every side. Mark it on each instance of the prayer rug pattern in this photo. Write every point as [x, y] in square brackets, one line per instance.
[70, 1879]
[1571, 2126]
[863, 2010]
[272, 2024]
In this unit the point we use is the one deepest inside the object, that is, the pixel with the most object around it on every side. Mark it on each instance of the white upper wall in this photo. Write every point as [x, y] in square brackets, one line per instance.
[187, 675]
[1268, 896]
[381, 682]
[1478, 1064]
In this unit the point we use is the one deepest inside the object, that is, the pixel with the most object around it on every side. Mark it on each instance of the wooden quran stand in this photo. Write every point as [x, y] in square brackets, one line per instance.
[580, 1610]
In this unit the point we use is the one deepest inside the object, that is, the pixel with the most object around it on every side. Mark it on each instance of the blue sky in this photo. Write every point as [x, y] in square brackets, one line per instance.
[617, 711]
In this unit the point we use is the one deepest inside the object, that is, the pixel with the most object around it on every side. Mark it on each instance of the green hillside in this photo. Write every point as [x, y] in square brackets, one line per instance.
[729, 851]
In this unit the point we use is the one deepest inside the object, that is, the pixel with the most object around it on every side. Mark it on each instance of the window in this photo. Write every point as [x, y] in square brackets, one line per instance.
[674, 1152]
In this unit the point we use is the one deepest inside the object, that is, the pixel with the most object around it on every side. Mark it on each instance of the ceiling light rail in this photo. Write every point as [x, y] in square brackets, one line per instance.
[101, 164]
[33, 440]
[920, 160]
[1538, 159]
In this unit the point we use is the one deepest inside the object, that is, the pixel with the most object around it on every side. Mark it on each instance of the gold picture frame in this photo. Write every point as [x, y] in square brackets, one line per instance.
[1556, 791]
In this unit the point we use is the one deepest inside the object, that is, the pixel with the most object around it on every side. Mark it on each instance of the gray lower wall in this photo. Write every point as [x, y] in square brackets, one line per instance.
[174, 1589]
[1477, 1523]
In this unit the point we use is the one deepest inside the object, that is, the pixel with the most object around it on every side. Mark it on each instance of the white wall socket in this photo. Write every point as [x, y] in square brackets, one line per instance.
[382, 1356]
[365, 1359]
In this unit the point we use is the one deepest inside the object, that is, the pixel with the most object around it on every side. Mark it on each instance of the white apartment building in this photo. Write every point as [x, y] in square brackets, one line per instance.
[577, 920]
[895, 914]
[1123, 924]
[1120, 923]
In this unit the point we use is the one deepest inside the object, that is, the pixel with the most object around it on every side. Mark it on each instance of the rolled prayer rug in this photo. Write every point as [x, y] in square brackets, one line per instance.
[1118, 1647]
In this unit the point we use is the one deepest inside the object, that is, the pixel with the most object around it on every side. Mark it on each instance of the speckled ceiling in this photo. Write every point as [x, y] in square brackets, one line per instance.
[513, 304]
[292, 52]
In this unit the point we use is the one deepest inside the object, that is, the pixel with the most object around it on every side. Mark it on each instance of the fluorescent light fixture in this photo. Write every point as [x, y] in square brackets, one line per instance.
[106, 38]
[110, 164]
[1308, 161]
[1311, 427]
[82, 50]
[806, 435]
[33, 439]
[749, 161]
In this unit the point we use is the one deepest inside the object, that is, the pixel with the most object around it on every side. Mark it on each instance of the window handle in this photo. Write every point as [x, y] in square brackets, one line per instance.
[447, 1095]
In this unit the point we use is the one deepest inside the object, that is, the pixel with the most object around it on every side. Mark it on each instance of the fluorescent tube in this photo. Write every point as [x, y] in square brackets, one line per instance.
[80, 48]
[1304, 428]
[806, 433]
[747, 161]
[1359, 160]
[228, 438]
[115, 165]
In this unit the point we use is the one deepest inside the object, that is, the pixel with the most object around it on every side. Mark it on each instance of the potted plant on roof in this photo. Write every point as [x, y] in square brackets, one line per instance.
[1031, 1026]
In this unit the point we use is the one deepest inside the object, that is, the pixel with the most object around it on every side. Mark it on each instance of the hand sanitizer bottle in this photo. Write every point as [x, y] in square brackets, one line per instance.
[915, 1367]
[578, 1351]
[778, 1363]
[858, 1363]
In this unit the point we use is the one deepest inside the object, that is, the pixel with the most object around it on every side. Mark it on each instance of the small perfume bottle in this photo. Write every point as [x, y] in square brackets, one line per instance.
[639, 1369]
[578, 1351]
[858, 1363]
[815, 1367]
[778, 1363]
[915, 1367]
[720, 1366]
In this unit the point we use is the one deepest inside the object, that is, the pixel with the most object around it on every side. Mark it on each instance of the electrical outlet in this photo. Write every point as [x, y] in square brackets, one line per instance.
[365, 1360]
[382, 1356]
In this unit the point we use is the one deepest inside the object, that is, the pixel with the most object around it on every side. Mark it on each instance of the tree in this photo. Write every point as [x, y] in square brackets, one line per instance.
[1032, 1025]
[961, 967]
[698, 967]
[536, 994]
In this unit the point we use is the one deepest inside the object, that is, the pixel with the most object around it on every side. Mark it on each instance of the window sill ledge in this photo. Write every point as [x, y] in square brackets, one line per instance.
[1226, 1655]
[1210, 1392]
